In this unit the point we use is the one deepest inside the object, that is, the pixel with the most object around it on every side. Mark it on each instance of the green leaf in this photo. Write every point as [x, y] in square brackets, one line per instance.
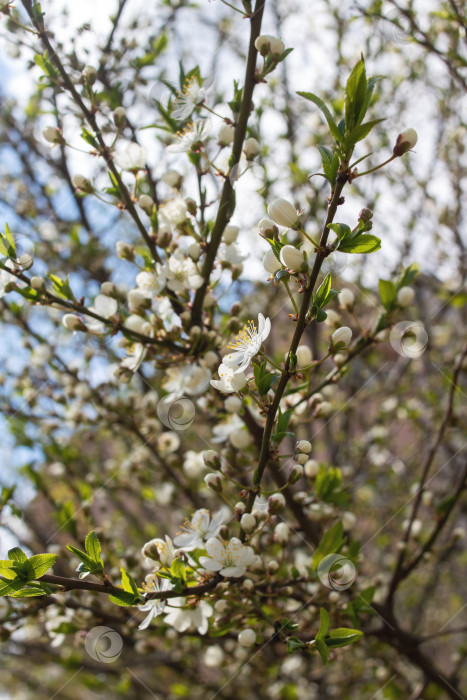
[359, 133]
[387, 292]
[6, 570]
[7, 588]
[322, 650]
[128, 583]
[39, 564]
[89, 564]
[89, 138]
[17, 555]
[341, 230]
[294, 644]
[355, 96]
[364, 243]
[342, 637]
[124, 598]
[323, 624]
[408, 276]
[325, 110]
[330, 161]
[323, 291]
[93, 547]
[61, 287]
[330, 543]
[28, 593]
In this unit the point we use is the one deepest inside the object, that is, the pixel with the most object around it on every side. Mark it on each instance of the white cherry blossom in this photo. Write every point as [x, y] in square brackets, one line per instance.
[151, 283]
[247, 344]
[191, 96]
[185, 615]
[200, 528]
[194, 134]
[229, 381]
[154, 606]
[130, 156]
[230, 558]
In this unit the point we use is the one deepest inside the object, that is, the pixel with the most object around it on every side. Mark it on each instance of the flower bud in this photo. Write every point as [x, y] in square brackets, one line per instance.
[247, 638]
[226, 134]
[233, 404]
[277, 46]
[276, 503]
[248, 522]
[346, 298]
[240, 438]
[262, 44]
[295, 474]
[270, 263]
[301, 458]
[52, 134]
[405, 296]
[267, 226]
[405, 142]
[365, 215]
[37, 282]
[248, 584]
[303, 446]
[230, 234]
[304, 356]
[292, 258]
[311, 468]
[119, 116]
[283, 213]
[125, 250]
[89, 75]
[136, 299]
[108, 289]
[212, 459]
[73, 323]
[342, 335]
[221, 606]
[80, 182]
[214, 482]
[172, 178]
[146, 203]
[281, 533]
[251, 148]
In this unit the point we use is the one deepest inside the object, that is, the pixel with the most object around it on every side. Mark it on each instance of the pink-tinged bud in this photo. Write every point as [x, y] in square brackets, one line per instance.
[251, 148]
[267, 226]
[405, 296]
[405, 142]
[270, 263]
[365, 215]
[292, 258]
[283, 213]
[342, 335]
[82, 183]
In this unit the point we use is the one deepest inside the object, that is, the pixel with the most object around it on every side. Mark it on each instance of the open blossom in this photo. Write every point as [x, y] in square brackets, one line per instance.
[154, 607]
[173, 211]
[200, 528]
[247, 344]
[189, 614]
[151, 283]
[163, 550]
[230, 558]
[191, 96]
[194, 135]
[131, 156]
[182, 273]
[103, 306]
[229, 381]
[188, 379]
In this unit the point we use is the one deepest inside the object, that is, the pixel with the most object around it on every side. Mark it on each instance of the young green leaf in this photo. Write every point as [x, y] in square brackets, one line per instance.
[93, 547]
[342, 637]
[387, 292]
[364, 243]
[39, 564]
[325, 110]
[331, 542]
[323, 624]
